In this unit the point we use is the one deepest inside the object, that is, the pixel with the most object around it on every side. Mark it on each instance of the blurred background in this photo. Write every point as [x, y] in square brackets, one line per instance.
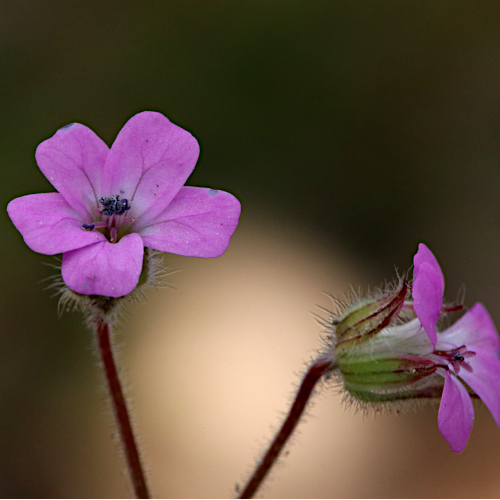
[350, 131]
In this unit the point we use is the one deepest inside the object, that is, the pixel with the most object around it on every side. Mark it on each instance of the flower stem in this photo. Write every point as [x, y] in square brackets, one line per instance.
[319, 367]
[121, 412]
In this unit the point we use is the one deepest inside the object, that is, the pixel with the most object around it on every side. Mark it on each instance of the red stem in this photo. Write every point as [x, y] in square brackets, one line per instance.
[321, 366]
[121, 412]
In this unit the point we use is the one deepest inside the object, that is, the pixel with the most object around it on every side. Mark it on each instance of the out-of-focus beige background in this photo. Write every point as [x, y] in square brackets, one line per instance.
[351, 131]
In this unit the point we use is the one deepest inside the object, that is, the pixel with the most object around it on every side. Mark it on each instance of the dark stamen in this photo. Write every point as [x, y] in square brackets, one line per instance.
[457, 358]
[88, 227]
[114, 205]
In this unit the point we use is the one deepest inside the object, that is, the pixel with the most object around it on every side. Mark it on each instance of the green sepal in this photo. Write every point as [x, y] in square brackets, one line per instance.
[367, 319]
[372, 374]
[143, 277]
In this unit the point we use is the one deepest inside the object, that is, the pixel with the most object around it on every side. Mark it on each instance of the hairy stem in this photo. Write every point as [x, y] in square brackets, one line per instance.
[320, 367]
[121, 412]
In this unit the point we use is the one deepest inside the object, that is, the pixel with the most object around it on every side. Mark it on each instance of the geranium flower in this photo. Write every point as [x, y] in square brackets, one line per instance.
[381, 361]
[470, 348]
[469, 351]
[113, 202]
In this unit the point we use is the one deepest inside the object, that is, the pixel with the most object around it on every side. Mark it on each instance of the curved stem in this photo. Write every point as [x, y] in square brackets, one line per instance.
[121, 412]
[320, 367]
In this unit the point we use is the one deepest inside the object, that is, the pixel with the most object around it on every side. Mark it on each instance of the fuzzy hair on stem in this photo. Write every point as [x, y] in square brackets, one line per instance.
[316, 371]
[101, 316]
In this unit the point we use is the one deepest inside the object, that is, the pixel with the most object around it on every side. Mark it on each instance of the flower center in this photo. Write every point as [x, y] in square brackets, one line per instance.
[112, 216]
[457, 358]
[114, 205]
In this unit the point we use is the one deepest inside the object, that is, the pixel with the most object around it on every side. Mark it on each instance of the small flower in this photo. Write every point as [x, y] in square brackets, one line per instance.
[470, 349]
[113, 202]
[384, 356]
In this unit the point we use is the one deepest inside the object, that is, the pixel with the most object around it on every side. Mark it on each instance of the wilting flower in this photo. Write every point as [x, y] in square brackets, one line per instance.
[113, 202]
[383, 355]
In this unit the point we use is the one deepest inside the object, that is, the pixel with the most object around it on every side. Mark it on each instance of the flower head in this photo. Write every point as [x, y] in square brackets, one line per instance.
[384, 356]
[113, 202]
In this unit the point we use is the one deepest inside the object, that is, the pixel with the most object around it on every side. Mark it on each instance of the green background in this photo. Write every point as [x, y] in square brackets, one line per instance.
[373, 125]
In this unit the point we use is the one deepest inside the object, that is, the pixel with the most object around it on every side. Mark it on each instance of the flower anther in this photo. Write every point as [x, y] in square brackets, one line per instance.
[457, 357]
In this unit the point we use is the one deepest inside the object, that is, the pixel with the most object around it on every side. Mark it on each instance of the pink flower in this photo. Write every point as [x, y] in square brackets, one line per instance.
[468, 351]
[113, 202]
[381, 360]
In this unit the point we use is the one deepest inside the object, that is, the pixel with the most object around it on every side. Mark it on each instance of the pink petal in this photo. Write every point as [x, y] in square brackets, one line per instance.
[485, 379]
[49, 225]
[109, 269]
[72, 160]
[456, 414]
[475, 329]
[424, 255]
[199, 222]
[149, 162]
[427, 290]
